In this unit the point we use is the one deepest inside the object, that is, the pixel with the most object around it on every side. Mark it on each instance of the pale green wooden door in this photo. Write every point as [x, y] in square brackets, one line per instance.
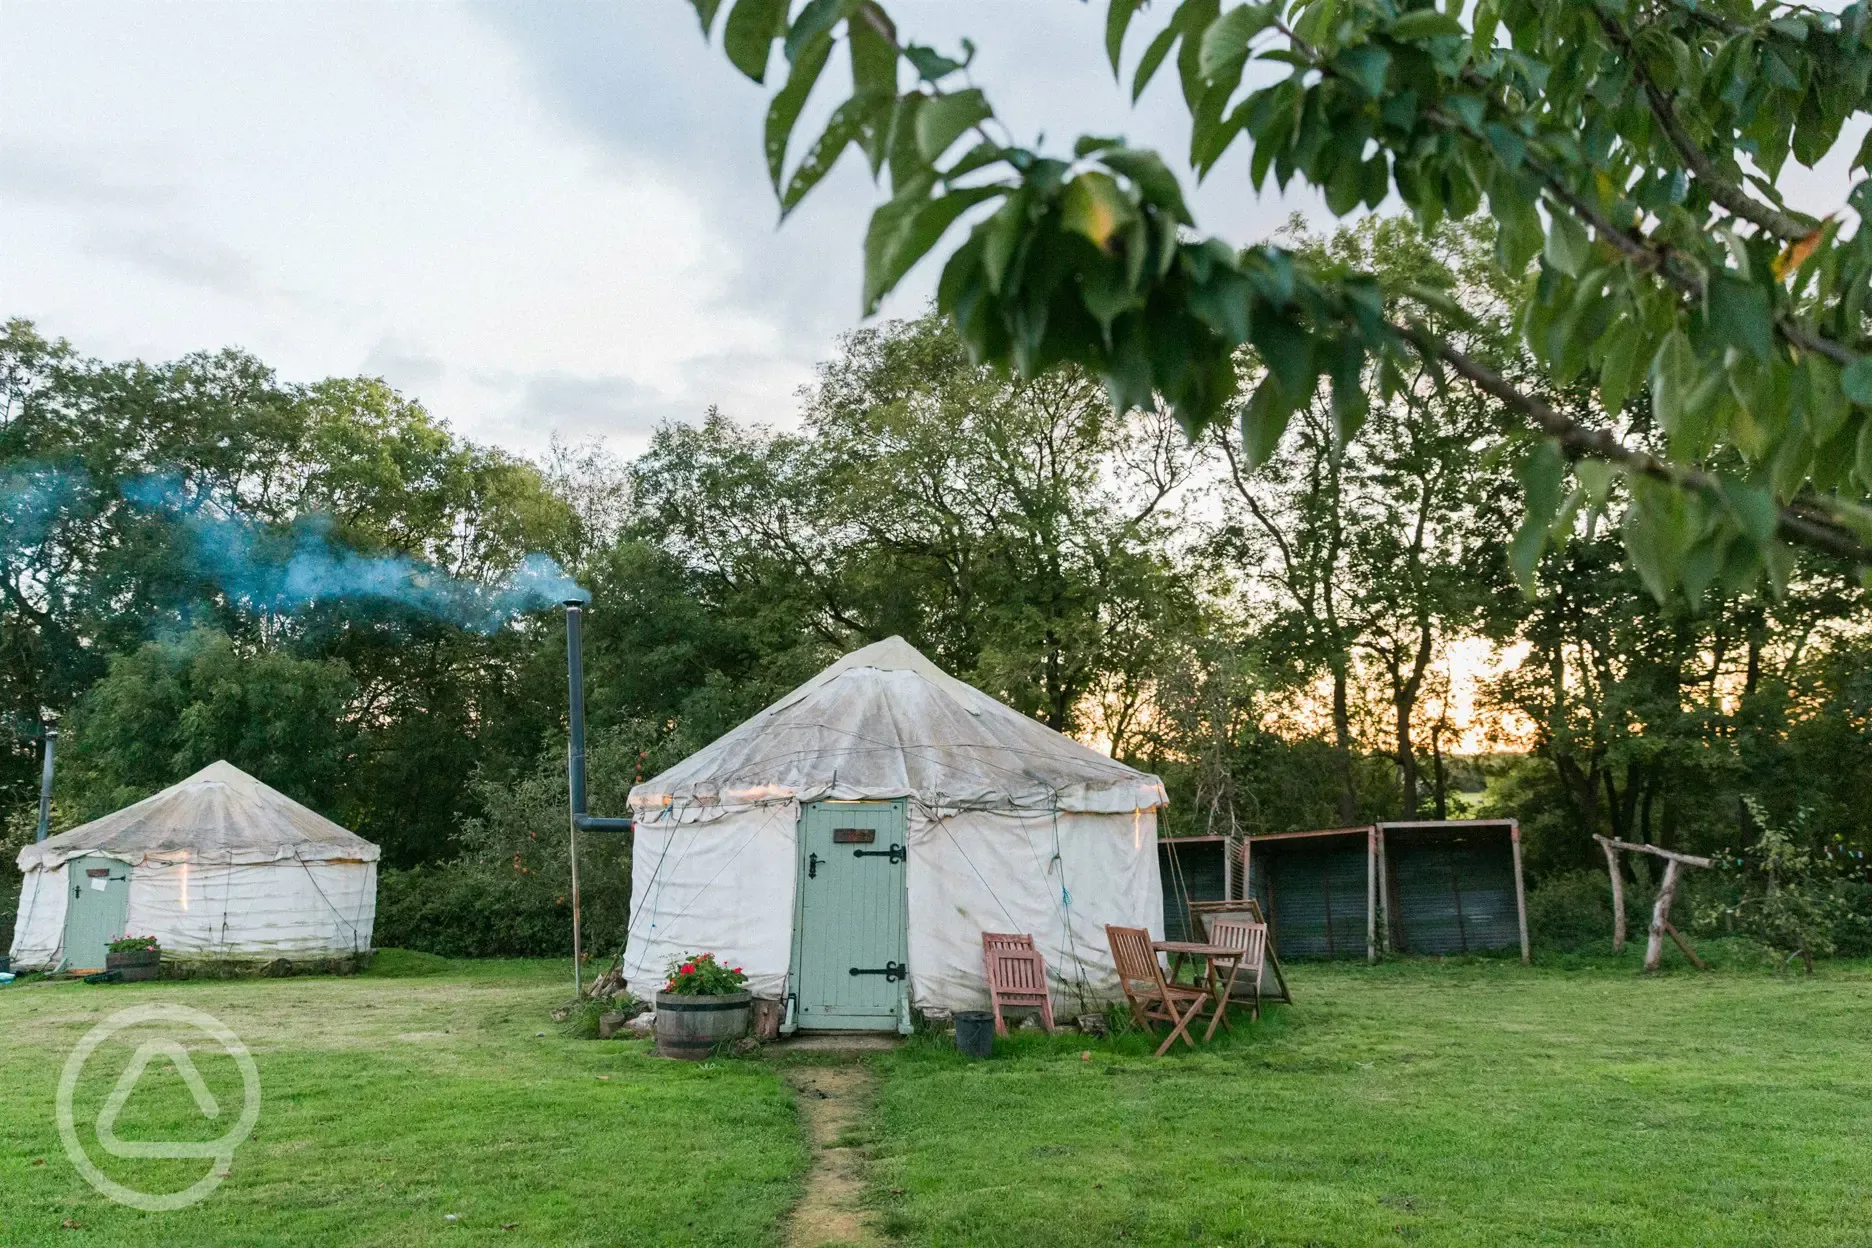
[850, 943]
[95, 909]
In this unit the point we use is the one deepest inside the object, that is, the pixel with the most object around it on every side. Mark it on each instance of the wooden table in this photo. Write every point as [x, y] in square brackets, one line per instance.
[1211, 954]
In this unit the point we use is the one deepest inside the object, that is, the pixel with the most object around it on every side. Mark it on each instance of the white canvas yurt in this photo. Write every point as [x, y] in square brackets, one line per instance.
[847, 847]
[219, 866]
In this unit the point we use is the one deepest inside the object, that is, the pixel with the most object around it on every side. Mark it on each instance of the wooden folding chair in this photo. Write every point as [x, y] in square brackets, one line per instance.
[1153, 998]
[1204, 913]
[1251, 939]
[1016, 977]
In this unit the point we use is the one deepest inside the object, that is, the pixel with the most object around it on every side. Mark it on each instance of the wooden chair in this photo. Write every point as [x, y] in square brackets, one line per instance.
[1016, 977]
[1204, 913]
[1251, 939]
[1153, 998]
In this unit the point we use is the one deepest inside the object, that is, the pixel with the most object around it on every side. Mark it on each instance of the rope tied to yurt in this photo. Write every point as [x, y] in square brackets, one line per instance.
[1072, 943]
[319, 889]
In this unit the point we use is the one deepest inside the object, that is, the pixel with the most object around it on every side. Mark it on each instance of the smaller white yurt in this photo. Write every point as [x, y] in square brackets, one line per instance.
[848, 846]
[219, 866]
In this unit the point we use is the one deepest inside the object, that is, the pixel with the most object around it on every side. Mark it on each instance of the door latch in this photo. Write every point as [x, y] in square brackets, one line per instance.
[891, 971]
[895, 853]
[812, 866]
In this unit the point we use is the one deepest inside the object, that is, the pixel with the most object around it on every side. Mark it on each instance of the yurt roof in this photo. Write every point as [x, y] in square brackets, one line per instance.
[884, 722]
[218, 815]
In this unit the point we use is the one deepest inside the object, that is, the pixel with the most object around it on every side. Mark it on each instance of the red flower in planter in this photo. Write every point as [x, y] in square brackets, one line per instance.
[688, 968]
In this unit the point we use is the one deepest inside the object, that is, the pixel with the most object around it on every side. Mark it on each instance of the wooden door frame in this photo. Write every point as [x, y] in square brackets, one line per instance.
[792, 1022]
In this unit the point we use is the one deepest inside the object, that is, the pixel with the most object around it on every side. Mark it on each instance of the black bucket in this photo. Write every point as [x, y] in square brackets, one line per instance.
[974, 1033]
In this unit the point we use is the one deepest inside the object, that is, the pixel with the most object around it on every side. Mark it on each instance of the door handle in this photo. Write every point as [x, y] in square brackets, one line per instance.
[812, 866]
[895, 853]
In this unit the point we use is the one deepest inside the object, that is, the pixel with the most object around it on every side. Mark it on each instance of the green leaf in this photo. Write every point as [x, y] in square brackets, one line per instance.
[1654, 536]
[1264, 420]
[818, 17]
[1738, 314]
[1865, 454]
[1568, 249]
[897, 241]
[1153, 179]
[947, 118]
[1287, 350]
[1856, 381]
[931, 65]
[1425, 24]
[1117, 22]
[840, 130]
[748, 37]
[783, 113]
[1827, 409]
[1365, 64]
[1618, 371]
[1595, 477]
[873, 53]
[1094, 206]
[1154, 54]
[1674, 376]
[1542, 471]
[1224, 44]
[705, 13]
[1754, 509]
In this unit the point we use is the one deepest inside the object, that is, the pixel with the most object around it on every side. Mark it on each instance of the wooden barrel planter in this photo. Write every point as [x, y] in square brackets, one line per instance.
[692, 1027]
[134, 968]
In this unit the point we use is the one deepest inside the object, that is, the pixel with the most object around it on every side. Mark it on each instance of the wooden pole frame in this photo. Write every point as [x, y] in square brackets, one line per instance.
[1660, 911]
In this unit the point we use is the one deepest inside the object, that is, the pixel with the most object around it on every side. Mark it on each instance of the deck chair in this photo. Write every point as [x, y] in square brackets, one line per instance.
[1251, 939]
[1016, 977]
[1153, 998]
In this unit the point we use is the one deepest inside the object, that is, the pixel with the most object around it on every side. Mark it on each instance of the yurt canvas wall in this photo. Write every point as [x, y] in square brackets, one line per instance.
[219, 866]
[1002, 825]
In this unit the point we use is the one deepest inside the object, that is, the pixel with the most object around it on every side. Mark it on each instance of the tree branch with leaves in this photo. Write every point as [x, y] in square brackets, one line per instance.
[1628, 151]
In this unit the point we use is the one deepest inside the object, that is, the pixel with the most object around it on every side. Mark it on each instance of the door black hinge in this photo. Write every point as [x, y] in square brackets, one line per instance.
[891, 971]
[895, 853]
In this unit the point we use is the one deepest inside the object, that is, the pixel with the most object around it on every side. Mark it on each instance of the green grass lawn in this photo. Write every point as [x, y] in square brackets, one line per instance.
[1481, 1103]
[1432, 1104]
[389, 1103]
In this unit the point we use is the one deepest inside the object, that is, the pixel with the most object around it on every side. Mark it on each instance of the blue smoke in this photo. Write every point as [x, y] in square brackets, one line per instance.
[32, 497]
[265, 568]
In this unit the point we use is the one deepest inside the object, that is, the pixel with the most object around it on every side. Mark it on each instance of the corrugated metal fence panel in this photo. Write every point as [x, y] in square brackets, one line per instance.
[1455, 892]
[1191, 871]
[1314, 896]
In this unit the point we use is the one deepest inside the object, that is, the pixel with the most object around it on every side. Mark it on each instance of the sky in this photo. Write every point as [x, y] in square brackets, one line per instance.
[540, 219]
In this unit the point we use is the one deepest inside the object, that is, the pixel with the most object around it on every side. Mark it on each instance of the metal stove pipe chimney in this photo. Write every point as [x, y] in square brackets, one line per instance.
[45, 785]
[575, 767]
[579, 821]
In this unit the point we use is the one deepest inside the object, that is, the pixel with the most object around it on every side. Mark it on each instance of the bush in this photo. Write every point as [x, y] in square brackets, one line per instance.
[508, 894]
[1571, 911]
